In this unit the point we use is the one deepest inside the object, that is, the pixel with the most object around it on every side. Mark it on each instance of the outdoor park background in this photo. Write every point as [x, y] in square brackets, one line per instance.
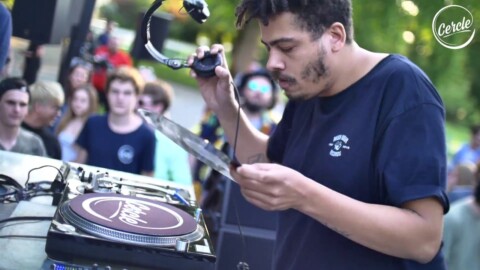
[395, 26]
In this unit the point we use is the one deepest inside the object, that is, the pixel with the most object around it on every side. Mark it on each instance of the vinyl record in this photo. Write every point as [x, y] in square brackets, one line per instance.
[193, 144]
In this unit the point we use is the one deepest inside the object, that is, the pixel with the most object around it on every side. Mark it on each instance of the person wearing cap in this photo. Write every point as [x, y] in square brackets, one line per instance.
[14, 99]
[47, 98]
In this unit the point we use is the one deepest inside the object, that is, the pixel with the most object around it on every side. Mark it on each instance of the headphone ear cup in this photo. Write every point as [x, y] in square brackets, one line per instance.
[205, 67]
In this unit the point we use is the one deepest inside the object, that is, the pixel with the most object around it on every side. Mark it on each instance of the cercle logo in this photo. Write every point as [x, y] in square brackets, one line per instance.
[453, 27]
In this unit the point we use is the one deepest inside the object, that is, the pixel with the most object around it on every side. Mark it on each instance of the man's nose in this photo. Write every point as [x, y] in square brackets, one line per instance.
[275, 62]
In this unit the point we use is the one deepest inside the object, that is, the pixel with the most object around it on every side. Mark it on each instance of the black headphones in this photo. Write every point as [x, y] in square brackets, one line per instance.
[198, 10]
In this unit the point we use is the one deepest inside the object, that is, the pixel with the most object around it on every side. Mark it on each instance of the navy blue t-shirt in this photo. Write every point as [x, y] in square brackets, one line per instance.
[380, 141]
[132, 152]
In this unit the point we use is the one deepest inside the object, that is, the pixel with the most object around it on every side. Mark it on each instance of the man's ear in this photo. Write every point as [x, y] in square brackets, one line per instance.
[338, 36]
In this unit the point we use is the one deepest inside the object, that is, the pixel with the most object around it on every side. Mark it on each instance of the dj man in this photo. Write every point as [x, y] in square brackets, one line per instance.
[357, 165]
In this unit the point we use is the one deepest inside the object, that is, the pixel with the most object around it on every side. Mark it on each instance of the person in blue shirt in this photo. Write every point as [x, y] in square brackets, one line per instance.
[356, 168]
[119, 140]
[105, 36]
[5, 34]
[469, 152]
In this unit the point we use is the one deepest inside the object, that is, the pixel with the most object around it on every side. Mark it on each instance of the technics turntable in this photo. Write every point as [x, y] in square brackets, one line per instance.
[102, 219]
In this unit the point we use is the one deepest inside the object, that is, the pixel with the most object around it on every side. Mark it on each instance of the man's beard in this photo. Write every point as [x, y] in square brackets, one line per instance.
[253, 108]
[316, 70]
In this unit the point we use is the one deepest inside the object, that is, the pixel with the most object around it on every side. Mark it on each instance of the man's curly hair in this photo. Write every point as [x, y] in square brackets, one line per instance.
[313, 16]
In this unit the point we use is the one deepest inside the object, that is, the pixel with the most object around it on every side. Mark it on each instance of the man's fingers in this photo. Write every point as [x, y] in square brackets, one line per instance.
[216, 48]
[201, 51]
[256, 169]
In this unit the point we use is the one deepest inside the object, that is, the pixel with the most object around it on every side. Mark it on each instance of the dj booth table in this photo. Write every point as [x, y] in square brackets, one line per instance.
[27, 252]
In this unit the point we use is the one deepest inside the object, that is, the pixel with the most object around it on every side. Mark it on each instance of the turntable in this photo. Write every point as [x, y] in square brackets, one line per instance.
[107, 220]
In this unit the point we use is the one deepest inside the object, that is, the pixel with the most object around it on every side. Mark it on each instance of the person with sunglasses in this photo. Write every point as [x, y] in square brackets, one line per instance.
[356, 168]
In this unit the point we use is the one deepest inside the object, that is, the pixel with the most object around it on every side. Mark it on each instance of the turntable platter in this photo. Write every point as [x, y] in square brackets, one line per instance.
[130, 219]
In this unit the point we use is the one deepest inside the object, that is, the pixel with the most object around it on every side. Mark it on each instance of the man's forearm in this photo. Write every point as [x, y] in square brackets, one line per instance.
[413, 232]
[251, 144]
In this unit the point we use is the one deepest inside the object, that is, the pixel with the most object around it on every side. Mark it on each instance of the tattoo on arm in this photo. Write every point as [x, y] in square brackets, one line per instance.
[258, 158]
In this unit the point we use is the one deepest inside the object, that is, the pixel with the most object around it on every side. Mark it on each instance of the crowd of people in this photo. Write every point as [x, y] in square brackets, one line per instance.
[356, 167]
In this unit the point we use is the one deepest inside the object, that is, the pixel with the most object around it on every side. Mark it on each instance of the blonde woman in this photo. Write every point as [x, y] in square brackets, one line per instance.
[82, 104]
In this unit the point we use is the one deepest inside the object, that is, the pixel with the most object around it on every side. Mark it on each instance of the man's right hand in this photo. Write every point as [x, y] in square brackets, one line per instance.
[217, 91]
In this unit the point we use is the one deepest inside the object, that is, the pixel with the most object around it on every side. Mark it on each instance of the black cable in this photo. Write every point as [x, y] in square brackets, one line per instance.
[23, 218]
[9, 181]
[235, 162]
[242, 265]
[45, 166]
[23, 236]
[39, 186]
[2, 196]
[13, 188]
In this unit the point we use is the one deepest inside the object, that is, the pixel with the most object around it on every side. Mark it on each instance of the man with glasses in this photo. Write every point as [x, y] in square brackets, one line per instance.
[47, 98]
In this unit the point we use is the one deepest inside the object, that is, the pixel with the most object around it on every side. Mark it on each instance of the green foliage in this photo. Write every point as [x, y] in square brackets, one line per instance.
[379, 26]
[8, 3]
[457, 135]
[124, 12]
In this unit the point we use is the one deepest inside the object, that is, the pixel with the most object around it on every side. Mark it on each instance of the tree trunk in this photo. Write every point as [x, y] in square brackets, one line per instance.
[246, 47]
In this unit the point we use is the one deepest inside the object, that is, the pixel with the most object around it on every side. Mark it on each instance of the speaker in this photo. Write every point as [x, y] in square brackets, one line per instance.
[234, 204]
[252, 246]
[42, 21]
[159, 28]
[247, 233]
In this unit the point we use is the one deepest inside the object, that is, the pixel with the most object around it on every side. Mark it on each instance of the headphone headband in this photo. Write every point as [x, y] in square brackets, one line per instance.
[198, 10]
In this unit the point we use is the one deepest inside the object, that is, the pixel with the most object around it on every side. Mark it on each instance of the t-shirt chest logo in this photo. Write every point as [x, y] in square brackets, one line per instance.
[125, 154]
[339, 143]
